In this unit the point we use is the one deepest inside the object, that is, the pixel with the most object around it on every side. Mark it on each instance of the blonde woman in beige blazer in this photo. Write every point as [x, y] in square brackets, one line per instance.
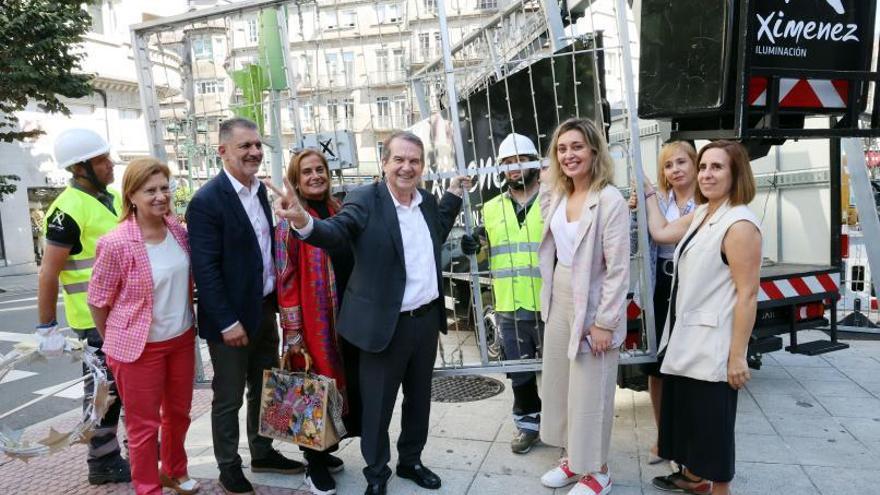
[711, 315]
[584, 262]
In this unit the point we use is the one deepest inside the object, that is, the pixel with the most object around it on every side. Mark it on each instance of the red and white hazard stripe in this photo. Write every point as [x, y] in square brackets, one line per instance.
[798, 286]
[801, 93]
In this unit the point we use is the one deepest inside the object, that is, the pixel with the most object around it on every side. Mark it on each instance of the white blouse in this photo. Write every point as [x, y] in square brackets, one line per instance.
[169, 266]
[564, 234]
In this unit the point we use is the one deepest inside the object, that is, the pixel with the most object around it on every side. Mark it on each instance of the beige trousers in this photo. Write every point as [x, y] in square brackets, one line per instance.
[577, 396]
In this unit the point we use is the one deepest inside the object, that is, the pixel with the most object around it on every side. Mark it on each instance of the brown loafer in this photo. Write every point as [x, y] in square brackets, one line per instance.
[181, 486]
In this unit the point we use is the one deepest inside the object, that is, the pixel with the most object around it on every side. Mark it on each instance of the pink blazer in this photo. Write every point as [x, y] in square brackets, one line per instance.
[600, 271]
[122, 281]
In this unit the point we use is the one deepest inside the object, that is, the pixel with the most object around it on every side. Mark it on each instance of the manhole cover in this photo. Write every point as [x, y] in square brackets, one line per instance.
[464, 388]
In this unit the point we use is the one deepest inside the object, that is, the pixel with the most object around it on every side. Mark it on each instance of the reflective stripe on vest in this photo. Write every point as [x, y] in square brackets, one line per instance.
[513, 254]
[94, 220]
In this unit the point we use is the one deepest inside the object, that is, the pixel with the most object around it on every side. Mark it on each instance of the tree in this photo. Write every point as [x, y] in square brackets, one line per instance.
[40, 58]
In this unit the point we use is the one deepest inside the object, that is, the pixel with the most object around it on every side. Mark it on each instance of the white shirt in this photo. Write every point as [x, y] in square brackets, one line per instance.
[169, 266]
[564, 234]
[254, 210]
[418, 253]
[672, 213]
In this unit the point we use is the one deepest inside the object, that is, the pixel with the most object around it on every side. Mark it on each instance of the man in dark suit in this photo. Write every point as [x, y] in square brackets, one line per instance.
[393, 306]
[230, 233]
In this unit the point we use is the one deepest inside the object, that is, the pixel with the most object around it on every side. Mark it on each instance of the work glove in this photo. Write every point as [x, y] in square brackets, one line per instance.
[50, 342]
[470, 244]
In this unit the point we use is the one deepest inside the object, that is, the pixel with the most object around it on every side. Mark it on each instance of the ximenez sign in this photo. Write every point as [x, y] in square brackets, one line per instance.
[811, 34]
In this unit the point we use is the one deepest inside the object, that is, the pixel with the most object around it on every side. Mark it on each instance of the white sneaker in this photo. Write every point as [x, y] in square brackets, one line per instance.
[592, 484]
[559, 476]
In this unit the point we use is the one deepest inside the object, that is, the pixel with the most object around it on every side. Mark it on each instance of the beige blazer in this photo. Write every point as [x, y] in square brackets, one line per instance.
[600, 271]
[699, 344]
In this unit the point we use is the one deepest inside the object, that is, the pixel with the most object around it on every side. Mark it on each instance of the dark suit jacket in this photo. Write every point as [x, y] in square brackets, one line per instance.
[226, 262]
[368, 219]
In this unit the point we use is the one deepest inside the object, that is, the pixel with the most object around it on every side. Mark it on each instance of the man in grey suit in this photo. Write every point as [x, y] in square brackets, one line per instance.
[392, 309]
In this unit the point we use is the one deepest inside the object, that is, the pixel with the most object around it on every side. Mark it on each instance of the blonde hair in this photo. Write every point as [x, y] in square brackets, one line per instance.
[665, 155]
[602, 168]
[137, 173]
[742, 184]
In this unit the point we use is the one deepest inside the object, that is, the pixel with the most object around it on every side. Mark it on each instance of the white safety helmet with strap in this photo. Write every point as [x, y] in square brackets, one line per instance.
[78, 145]
[516, 144]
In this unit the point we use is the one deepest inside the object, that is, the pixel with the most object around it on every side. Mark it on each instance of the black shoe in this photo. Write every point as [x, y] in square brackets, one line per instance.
[276, 463]
[114, 469]
[319, 480]
[334, 464]
[376, 488]
[232, 481]
[423, 476]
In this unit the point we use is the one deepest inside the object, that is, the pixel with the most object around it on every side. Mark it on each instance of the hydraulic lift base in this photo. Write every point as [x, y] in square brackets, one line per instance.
[816, 347]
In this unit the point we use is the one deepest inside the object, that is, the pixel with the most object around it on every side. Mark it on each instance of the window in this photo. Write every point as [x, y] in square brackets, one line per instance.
[348, 112]
[96, 12]
[430, 5]
[388, 13]
[348, 68]
[329, 19]
[333, 113]
[129, 114]
[380, 146]
[209, 86]
[437, 43]
[332, 60]
[401, 119]
[425, 45]
[347, 18]
[253, 31]
[202, 48]
[383, 111]
[305, 69]
[382, 67]
[487, 4]
[399, 64]
[307, 115]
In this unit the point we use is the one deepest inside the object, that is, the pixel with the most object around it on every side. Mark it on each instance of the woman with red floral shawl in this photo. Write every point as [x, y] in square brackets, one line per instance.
[311, 282]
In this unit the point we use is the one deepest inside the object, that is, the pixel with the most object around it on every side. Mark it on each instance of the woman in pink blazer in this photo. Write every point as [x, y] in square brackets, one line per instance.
[584, 261]
[140, 295]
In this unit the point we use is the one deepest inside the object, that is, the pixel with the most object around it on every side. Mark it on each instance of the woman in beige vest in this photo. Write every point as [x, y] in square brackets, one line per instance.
[584, 262]
[711, 315]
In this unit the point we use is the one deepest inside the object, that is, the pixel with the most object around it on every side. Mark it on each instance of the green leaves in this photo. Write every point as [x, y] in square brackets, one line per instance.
[39, 59]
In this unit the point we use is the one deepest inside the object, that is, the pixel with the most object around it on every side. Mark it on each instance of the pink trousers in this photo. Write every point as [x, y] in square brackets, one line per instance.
[156, 390]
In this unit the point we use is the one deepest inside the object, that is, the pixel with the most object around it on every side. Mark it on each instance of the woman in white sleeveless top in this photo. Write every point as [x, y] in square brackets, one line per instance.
[584, 262]
[711, 315]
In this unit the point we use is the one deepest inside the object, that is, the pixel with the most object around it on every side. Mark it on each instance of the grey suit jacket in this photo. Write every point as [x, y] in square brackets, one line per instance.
[368, 220]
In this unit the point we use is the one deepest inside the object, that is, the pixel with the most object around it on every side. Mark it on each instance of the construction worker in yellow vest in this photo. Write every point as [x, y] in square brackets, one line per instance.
[81, 214]
[512, 225]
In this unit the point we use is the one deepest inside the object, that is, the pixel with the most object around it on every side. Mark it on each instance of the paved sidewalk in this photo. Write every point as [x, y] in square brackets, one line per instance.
[15, 284]
[806, 425]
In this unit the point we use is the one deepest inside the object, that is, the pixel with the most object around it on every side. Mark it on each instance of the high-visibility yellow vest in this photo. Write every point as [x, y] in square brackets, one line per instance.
[513, 254]
[94, 220]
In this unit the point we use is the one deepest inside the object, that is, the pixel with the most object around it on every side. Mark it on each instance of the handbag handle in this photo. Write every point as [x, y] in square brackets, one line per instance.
[287, 360]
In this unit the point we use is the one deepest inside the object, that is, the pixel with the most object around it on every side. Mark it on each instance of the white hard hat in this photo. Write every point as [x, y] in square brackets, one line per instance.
[516, 144]
[78, 145]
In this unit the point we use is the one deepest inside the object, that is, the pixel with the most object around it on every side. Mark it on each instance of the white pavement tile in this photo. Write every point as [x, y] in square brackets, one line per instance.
[835, 388]
[468, 426]
[863, 429]
[761, 386]
[455, 453]
[790, 405]
[844, 481]
[762, 479]
[852, 407]
[500, 460]
[832, 452]
[762, 448]
[496, 484]
[804, 374]
[819, 428]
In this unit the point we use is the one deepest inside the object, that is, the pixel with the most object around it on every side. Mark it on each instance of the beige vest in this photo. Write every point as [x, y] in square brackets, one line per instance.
[699, 345]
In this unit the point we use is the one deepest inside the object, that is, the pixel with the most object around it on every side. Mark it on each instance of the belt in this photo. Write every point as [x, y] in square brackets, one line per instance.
[420, 311]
